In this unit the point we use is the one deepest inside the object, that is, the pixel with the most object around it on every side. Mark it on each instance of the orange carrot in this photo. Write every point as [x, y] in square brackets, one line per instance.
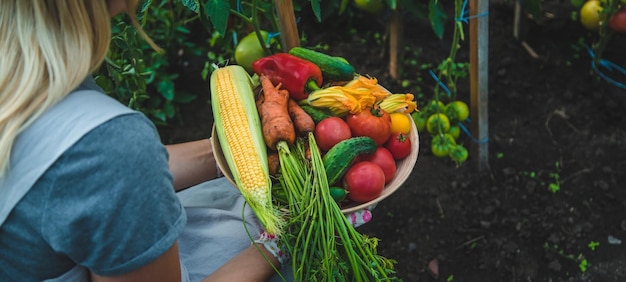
[273, 109]
[301, 120]
[274, 162]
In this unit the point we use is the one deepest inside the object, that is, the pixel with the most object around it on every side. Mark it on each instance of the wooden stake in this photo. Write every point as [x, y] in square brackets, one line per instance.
[288, 28]
[395, 33]
[479, 60]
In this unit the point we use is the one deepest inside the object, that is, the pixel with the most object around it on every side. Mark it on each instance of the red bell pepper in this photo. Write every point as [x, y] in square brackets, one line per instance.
[298, 76]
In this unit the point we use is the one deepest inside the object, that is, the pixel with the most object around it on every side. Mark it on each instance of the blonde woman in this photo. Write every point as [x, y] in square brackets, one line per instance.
[87, 190]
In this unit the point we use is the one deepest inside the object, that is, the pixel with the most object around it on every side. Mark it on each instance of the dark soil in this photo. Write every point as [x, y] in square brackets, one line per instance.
[502, 223]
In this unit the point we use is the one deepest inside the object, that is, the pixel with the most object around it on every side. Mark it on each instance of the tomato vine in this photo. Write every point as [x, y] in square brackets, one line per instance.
[441, 113]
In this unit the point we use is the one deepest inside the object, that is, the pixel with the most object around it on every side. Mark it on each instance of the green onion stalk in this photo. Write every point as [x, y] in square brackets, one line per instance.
[323, 244]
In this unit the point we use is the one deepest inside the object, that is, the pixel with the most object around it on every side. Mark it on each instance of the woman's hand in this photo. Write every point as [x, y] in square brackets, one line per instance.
[250, 265]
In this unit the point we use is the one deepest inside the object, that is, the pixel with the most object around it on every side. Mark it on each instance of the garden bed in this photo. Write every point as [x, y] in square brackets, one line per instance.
[551, 120]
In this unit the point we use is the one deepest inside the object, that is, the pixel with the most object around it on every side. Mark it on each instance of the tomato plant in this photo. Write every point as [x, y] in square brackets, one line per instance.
[374, 123]
[399, 145]
[400, 123]
[457, 111]
[383, 158]
[364, 181]
[331, 131]
[433, 107]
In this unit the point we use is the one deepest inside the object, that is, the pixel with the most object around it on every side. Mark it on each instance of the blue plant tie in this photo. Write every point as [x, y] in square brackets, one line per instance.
[277, 33]
[467, 132]
[434, 76]
[609, 66]
[272, 35]
[465, 18]
[269, 37]
[239, 6]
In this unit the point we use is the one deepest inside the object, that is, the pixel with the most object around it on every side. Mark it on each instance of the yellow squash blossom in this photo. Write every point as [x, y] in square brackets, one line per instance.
[371, 84]
[402, 103]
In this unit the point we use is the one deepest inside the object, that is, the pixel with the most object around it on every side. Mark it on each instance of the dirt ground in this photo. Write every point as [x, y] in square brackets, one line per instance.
[551, 120]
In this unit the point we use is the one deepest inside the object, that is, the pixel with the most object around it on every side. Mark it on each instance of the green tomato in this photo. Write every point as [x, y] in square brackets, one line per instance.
[455, 131]
[419, 119]
[249, 49]
[442, 144]
[437, 123]
[457, 111]
[434, 106]
[370, 6]
[458, 154]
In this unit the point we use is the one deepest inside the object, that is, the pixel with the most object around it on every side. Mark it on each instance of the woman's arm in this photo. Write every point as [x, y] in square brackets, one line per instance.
[165, 268]
[249, 265]
[191, 163]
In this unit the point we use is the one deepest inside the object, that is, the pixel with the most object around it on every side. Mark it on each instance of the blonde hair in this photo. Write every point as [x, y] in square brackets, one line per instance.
[47, 48]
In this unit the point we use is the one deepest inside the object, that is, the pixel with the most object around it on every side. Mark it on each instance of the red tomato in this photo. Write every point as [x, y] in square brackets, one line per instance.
[383, 158]
[364, 181]
[399, 144]
[617, 22]
[331, 131]
[374, 123]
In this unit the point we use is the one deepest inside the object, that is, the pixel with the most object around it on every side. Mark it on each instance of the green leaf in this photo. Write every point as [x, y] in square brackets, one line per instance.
[218, 11]
[437, 16]
[182, 29]
[159, 115]
[315, 6]
[145, 5]
[533, 7]
[554, 187]
[169, 109]
[166, 88]
[191, 4]
[184, 97]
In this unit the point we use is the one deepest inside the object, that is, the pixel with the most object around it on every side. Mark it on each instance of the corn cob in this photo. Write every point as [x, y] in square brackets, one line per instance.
[238, 128]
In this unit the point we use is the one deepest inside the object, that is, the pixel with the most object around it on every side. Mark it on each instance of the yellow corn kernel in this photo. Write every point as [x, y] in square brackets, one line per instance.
[238, 127]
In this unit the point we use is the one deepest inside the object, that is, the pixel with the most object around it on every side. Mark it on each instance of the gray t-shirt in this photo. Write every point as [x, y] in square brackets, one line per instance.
[106, 204]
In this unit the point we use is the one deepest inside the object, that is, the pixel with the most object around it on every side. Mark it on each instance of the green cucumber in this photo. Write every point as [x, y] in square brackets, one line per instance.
[333, 68]
[279, 194]
[316, 114]
[339, 194]
[339, 158]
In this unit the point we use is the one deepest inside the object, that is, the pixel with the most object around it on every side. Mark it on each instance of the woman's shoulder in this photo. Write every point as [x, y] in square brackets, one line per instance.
[122, 141]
